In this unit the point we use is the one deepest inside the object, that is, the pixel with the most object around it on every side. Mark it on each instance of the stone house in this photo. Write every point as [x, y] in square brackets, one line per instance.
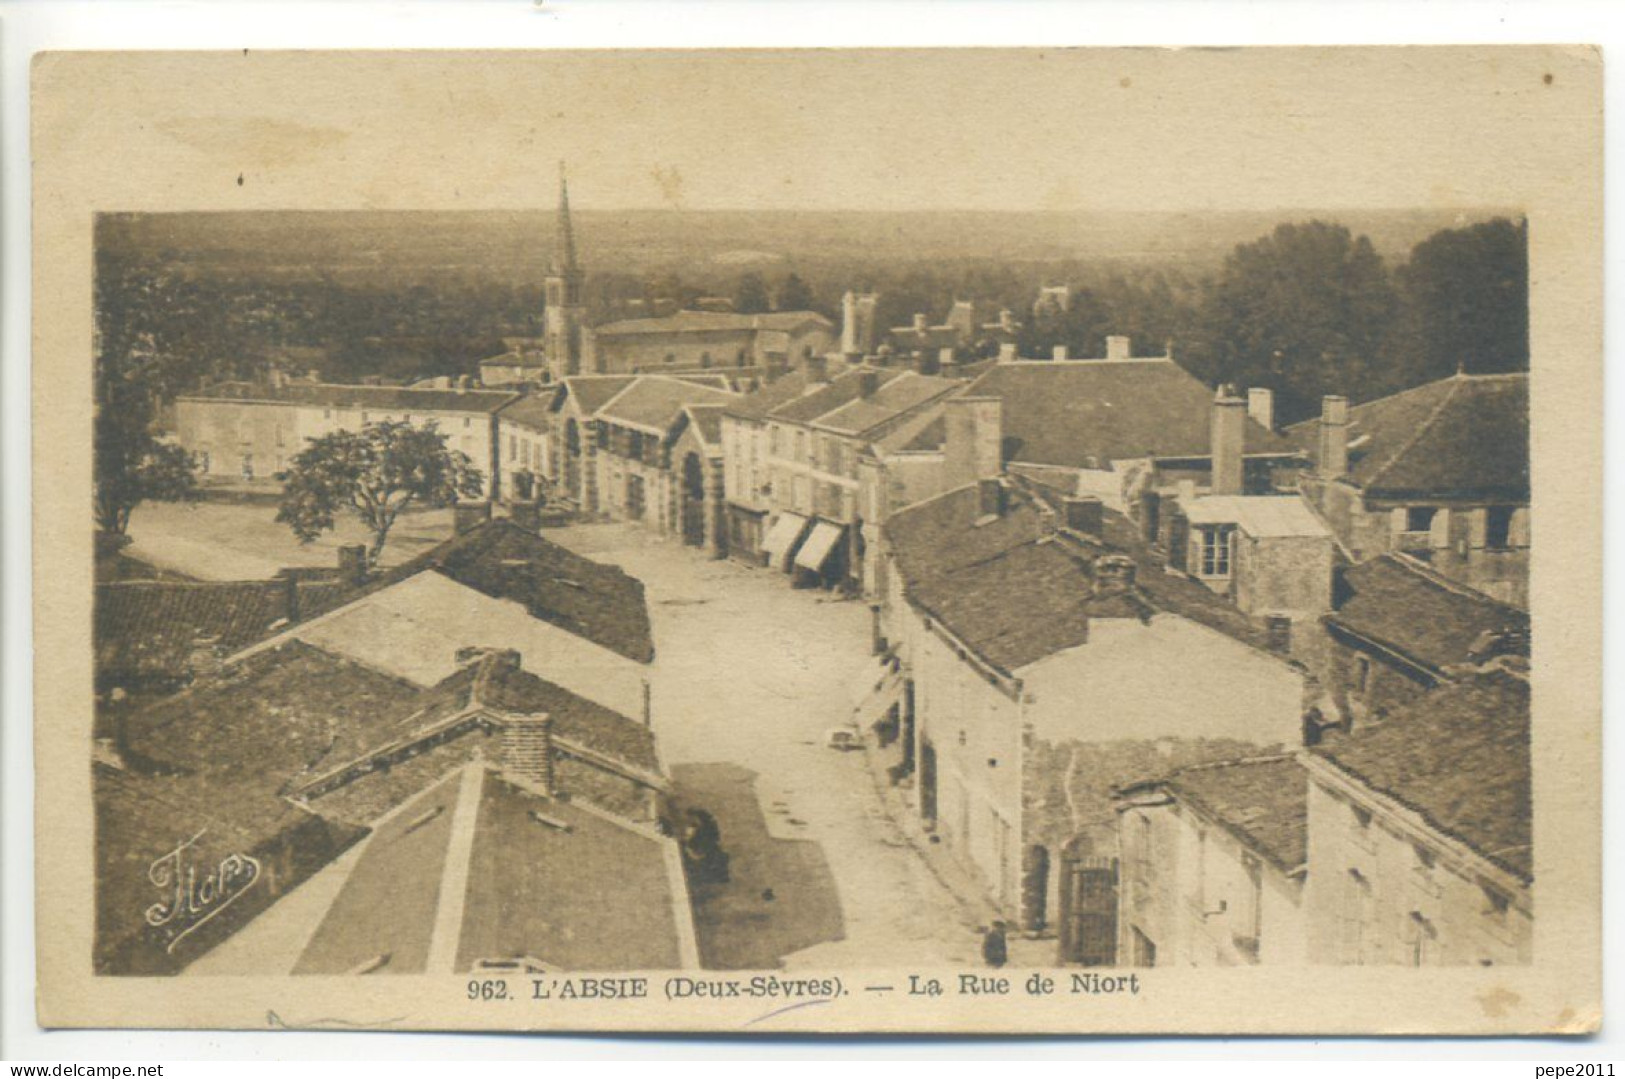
[1420, 832]
[1213, 863]
[1025, 623]
[707, 339]
[1439, 472]
[246, 432]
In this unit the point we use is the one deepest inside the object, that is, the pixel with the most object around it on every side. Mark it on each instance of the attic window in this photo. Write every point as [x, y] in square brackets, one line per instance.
[1419, 518]
[1498, 527]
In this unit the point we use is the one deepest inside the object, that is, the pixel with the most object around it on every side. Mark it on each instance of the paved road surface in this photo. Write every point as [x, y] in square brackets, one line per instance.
[750, 672]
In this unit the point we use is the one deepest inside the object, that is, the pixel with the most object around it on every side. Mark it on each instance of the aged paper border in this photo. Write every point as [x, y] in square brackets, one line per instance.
[96, 149]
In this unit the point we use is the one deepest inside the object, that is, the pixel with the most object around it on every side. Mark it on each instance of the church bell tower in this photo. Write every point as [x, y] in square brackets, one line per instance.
[563, 316]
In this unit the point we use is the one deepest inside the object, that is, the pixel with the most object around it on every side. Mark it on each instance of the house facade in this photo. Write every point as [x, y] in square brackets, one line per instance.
[248, 433]
[707, 339]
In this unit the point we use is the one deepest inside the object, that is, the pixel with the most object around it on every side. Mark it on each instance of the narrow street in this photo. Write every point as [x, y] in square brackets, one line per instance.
[749, 675]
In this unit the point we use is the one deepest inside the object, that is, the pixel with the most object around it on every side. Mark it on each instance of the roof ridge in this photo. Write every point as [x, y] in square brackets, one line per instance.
[1428, 574]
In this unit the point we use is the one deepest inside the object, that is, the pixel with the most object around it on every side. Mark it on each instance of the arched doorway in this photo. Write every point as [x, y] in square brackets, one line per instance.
[572, 459]
[693, 499]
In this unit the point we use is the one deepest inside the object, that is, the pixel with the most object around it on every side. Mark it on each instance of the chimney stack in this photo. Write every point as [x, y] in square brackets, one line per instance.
[1007, 320]
[973, 440]
[1228, 431]
[817, 370]
[353, 563]
[290, 598]
[1118, 347]
[1059, 352]
[462, 383]
[990, 497]
[849, 323]
[1007, 352]
[1114, 574]
[1278, 628]
[1333, 460]
[527, 749]
[1085, 514]
[469, 515]
[1261, 406]
[868, 382]
[920, 323]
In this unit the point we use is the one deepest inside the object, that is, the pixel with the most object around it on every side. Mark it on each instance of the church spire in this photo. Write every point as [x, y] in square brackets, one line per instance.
[566, 254]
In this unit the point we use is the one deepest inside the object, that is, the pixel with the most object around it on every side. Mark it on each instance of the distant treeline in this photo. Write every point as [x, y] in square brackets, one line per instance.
[1310, 308]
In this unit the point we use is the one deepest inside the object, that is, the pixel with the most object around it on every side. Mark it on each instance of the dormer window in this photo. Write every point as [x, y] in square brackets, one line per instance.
[1214, 549]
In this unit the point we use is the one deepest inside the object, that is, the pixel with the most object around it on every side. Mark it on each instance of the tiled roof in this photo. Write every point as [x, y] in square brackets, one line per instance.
[592, 392]
[594, 601]
[265, 719]
[1430, 621]
[712, 321]
[1015, 597]
[545, 881]
[1459, 756]
[1089, 413]
[1464, 436]
[1263, 801]
[146, 629]
[654, 402]
[335, 395]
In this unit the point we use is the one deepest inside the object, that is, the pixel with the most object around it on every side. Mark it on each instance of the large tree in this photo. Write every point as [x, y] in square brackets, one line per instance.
[132, 467]
[375, 473]
[750, 298]
[795, 294]
[1466, 299]
[1304, 311]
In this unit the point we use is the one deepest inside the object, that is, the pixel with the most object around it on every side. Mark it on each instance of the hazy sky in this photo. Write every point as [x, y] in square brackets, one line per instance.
[1087, 129]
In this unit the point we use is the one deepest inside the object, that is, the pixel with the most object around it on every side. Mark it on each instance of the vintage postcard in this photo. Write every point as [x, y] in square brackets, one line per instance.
[820, 541]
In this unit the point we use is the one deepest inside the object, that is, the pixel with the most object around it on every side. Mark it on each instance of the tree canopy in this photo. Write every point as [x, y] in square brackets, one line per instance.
[1466, 302]
[750, 298]
[376, 473]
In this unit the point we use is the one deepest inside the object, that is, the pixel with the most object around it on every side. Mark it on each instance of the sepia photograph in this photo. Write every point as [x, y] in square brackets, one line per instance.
[847, 566]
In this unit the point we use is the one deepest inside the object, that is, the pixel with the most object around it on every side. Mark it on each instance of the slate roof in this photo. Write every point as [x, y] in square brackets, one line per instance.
[337, 395]
[534, 410]
[895, 398]
[1466, 436]
[843, 388]
[1407, 609]
[545, 880]
[592, 392]
[146, 629]
[1262, 801]
[712, 321]
[1015, 596]
[1089, 413]
[654, 402]
[758, 403]
[594, 601]
[707, 422]
[1459, 756]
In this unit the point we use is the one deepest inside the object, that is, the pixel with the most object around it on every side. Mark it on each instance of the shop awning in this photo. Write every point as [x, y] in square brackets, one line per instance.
[781, 539]
[817, 548]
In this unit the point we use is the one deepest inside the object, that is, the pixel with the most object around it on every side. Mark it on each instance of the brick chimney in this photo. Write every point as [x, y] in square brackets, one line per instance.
[527, 749]
[1261, 406]
[920, 322]
[868, 383]
[1060, 352]
[353, 563]
[469, 515]
[1228, 431]
[973, 440]
[1085, 514]
[1118, 347]
[1113, 574]
[1333, 459]
[1007, 352]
